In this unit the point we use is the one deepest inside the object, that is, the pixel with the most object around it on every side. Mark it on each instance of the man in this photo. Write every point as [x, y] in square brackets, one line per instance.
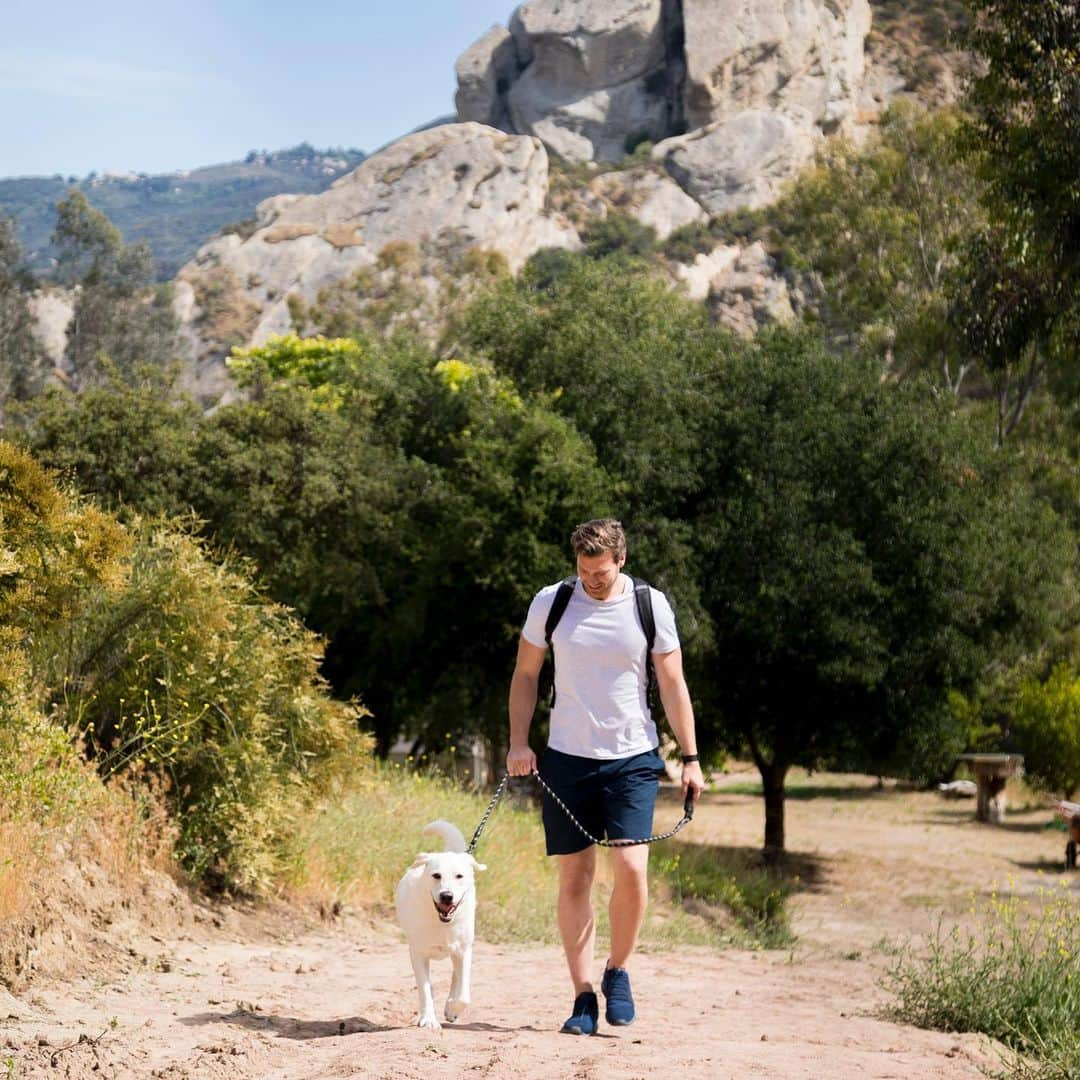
[601, 756]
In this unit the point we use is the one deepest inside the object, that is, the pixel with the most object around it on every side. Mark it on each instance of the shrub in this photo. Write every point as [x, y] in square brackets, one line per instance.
[1046, 719]
[1014, 977]
[53, 551]
[189, 672]
[618, 234]
[689, 240]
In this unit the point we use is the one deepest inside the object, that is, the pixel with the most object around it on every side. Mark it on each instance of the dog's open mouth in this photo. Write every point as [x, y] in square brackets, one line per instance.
[446, 911]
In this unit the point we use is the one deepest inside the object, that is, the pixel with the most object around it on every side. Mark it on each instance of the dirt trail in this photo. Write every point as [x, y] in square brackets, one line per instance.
[339, 1001]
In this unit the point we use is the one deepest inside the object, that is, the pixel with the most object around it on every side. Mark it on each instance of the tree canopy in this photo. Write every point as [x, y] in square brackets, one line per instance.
[864, 549]
[120, 313]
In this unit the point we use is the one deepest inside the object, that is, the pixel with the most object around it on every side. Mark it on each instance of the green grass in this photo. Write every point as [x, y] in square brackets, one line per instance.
[1015, 977]
[355, 844]
[755, 896]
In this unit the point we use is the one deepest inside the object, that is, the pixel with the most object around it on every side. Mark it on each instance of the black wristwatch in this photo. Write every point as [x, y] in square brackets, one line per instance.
[687, 758]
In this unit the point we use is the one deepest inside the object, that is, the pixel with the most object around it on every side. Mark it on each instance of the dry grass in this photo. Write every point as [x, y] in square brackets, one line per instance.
[354, 846]
[71, 814]
[227, 315]
[16, 869]
[342, 234]
[279, 234]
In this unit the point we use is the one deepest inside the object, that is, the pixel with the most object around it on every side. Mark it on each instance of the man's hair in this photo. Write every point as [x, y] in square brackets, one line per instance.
[597, 536]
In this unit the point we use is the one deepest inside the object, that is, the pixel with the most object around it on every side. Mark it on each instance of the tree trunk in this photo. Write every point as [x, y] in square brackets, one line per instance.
[772, 780]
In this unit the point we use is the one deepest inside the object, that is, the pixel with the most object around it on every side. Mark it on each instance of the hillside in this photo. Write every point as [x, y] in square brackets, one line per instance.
[173, 212]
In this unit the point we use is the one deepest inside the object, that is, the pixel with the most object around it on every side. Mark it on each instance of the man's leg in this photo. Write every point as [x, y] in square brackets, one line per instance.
[629, 899]
[577, 919]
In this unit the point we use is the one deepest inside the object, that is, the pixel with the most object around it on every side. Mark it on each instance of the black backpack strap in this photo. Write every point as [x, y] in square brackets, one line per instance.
[643, 602]
[558, 607]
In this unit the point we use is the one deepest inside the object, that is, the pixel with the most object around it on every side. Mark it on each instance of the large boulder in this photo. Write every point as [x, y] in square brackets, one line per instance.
[451, 187]
[748, 292]
[802, 57]
[484, 73]
[655, 200]
[738, 162]
[52, 309]
[764, 82]
[583, 75]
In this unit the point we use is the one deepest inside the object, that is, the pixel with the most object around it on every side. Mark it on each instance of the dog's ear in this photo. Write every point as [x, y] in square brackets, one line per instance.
[477, 865]
[421, 859]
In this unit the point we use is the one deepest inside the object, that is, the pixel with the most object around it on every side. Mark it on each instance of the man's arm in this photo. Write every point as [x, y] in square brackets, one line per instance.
[520, 760]
[680, 713]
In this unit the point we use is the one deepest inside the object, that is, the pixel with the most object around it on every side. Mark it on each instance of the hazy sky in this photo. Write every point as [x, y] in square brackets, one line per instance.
[154, 86]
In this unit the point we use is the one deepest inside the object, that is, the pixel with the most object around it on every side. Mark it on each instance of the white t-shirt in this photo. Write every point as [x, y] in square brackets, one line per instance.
[601, 707]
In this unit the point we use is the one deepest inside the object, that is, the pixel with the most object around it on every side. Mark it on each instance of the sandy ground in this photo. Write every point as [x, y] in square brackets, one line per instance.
[271, 999]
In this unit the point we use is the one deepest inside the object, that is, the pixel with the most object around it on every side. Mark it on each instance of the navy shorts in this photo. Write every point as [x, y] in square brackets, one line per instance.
[609, 796]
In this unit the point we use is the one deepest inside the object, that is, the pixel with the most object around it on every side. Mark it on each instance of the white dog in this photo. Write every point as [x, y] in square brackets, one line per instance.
[436, 906]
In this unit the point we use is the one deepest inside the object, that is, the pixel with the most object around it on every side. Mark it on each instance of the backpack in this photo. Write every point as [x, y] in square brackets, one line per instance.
[643, 603]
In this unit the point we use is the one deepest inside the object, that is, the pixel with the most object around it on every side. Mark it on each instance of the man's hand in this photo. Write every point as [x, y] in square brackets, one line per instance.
[692, 778]
[520, 761]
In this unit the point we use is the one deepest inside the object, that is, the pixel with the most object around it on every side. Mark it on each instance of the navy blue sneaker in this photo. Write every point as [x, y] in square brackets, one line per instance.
[586, 1017]
[620, 1002]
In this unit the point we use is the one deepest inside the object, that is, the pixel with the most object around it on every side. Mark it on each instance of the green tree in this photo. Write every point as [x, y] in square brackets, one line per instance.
[1005, 307]
[1018, 298]
[128, 442]
[628, 363]
[120, 313]
[879, 226]
[1046, 722]
[20, 354]
[408, 508]
[1025, 107]
[864, 551]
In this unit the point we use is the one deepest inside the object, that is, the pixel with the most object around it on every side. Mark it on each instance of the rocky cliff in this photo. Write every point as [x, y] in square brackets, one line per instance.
[734, 93]
[719, 101]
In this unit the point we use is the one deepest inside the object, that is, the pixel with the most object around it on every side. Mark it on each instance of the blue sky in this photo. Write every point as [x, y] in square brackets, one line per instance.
[156, 86]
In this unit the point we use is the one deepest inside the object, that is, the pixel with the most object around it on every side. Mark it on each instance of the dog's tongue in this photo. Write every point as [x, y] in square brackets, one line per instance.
[446, 909]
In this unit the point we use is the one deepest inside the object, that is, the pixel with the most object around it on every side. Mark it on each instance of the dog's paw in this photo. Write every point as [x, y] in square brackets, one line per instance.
[429, 1020]
[455, 1009]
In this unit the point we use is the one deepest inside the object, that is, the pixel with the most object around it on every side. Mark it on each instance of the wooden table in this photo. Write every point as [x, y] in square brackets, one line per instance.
[991, 771]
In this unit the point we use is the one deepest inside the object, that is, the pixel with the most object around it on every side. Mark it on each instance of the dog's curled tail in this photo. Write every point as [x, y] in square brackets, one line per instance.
[451, 834]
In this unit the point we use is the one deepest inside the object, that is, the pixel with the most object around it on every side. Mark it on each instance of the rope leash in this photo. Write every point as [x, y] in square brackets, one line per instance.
[688, 816]
[487, 813]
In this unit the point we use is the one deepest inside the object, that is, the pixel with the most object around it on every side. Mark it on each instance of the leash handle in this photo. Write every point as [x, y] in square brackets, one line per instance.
[688, 806]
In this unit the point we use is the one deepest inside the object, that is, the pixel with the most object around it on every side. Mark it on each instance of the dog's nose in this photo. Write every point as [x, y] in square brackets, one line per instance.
[446, 897]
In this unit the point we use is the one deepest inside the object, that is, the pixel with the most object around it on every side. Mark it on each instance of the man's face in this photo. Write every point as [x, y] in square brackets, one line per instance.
[599, 573]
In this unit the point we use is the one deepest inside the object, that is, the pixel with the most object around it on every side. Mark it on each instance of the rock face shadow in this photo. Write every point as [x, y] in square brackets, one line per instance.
[290, 1027]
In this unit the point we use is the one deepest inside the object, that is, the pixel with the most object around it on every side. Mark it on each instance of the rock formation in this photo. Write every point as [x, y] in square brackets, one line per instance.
[738, 162]
[584, 76]
[757, 82]
[52, 309]
[803, 58]
[455, 186]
